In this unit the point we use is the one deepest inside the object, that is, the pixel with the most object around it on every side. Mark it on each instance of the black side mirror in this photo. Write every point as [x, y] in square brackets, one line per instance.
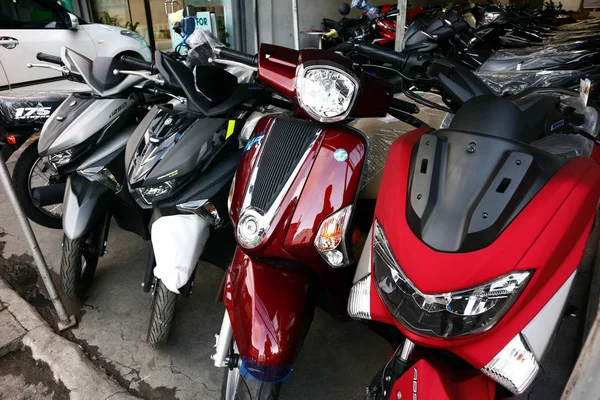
[344, 9]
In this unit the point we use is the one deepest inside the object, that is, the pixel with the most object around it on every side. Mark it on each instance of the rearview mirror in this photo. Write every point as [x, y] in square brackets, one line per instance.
[72, 22]
[344, 9]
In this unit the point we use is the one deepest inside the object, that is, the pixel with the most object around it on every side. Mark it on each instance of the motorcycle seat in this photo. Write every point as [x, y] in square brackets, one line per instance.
[28, 107]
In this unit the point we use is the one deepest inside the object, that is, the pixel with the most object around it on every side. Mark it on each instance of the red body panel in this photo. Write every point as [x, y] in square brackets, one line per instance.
[277, 68]
[548, 236]
[386, 29]
[266, 305]
[255, 290]
[427, 380]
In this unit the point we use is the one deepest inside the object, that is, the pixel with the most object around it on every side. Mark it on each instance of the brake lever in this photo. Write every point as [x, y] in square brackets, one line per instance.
[231, 63]
[63, 69]
[140, 74]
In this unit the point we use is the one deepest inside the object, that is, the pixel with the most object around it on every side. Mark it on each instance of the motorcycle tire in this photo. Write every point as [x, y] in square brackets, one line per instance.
[21, 175]
[161, 317]
[78, 266]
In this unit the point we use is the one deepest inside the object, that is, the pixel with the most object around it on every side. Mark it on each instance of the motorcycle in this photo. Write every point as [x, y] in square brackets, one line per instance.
[477, 236]
[292, 205]
[22, 115]
[180, 161]
[83, 142]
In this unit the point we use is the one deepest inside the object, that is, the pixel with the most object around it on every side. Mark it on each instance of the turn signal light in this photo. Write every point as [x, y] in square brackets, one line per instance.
[330, 241]
[11, 139]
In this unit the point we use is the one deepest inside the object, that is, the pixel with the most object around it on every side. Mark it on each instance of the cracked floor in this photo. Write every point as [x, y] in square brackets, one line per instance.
[337, 361]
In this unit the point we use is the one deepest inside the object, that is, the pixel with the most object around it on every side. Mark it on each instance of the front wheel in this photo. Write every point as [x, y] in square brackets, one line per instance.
[31, 172]
[78, 266]
[161, 317]
[238, 387]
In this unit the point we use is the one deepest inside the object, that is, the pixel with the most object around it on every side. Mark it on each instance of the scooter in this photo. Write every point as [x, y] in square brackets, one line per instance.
[83, 142]
[21, 116]
[477, 236]
[292, 206]
[180, 161]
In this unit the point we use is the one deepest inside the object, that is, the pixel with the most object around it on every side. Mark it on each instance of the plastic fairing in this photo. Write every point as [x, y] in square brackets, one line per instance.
[178, 242]
[202, 43]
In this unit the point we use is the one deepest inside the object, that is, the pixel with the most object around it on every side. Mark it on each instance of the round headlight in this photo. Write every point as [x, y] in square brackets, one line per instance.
[326, 93]
[250, 231]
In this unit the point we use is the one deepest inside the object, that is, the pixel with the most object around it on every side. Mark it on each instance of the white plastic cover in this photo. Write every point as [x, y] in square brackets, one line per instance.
[202, 43]
[178, 242]
[507, 83]
[366, 7]
[382, 132]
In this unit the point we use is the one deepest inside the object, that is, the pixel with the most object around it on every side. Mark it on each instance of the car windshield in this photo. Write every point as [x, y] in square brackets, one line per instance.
[33, 14]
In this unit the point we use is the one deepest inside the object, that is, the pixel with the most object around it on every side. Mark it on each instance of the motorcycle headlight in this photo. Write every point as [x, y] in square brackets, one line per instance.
[101, 175]
[150, 193]
[326, 93]
[445, 315]
[61, 158]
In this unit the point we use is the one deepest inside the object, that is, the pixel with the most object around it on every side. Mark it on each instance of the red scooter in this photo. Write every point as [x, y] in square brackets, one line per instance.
[475, 244]
[291, 204]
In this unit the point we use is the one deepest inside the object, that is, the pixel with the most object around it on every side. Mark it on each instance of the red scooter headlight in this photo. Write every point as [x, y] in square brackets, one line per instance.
[449, 314]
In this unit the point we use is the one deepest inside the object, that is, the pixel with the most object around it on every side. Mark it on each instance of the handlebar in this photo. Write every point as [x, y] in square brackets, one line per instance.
[404, 106]
[138, 64]
[49, 58]
[237, 56]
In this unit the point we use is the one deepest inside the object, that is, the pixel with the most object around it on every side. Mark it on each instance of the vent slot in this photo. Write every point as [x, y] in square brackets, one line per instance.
[424, 166]
[283, 149]
[503, 185]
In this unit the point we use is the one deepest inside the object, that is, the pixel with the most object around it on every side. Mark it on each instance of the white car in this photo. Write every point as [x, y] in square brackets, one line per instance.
[28, 27]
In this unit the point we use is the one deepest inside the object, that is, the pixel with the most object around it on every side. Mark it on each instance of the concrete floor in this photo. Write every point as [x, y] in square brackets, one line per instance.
[337, 361]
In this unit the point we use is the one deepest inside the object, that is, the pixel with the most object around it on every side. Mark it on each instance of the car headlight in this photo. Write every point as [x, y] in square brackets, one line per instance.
[445, 315]
[101, 175]
[150, 193]
[61, 158]
[326, 93]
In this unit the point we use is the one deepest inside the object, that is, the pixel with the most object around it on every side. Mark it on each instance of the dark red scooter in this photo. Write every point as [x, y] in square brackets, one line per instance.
[291, 204]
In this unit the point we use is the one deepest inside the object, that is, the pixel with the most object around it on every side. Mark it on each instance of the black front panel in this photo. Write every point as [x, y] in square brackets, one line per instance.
[466, 188]
[286, 143]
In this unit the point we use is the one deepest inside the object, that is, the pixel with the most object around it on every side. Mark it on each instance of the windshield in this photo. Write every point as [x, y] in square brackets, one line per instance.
[33, 14]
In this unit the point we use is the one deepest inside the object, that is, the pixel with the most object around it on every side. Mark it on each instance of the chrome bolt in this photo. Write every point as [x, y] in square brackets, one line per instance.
[484, 215]
[388, 378]
[518, 162]
[419, 196]
[399, 396]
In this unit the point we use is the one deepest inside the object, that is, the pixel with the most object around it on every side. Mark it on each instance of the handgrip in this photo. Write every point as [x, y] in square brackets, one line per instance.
[405, 106]
[234, 55]
[382, 54]
[138, 64]
[49, 58]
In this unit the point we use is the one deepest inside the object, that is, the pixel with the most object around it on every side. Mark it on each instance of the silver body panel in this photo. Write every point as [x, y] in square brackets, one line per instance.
[539, 332]
[69, 132]
[81, 211]
[364, 264]
[113, 145]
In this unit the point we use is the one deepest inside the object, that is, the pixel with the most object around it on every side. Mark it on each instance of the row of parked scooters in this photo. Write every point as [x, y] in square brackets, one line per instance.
[469, 247]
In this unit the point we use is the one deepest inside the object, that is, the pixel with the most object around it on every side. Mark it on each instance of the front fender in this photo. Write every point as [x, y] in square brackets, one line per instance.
[178, 241]
[270, 314]
[84, 204]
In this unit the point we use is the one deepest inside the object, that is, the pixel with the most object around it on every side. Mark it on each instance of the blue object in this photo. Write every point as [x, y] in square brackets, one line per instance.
[265, 373]
[188, 25]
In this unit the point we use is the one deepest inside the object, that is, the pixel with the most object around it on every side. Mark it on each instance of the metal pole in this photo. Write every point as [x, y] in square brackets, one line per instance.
[152, 41]
[255, 13]
[296, 24]
[65, 321]
[400, 24]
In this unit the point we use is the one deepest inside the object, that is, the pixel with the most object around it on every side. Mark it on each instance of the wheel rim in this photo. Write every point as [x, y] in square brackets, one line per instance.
[39, 176]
